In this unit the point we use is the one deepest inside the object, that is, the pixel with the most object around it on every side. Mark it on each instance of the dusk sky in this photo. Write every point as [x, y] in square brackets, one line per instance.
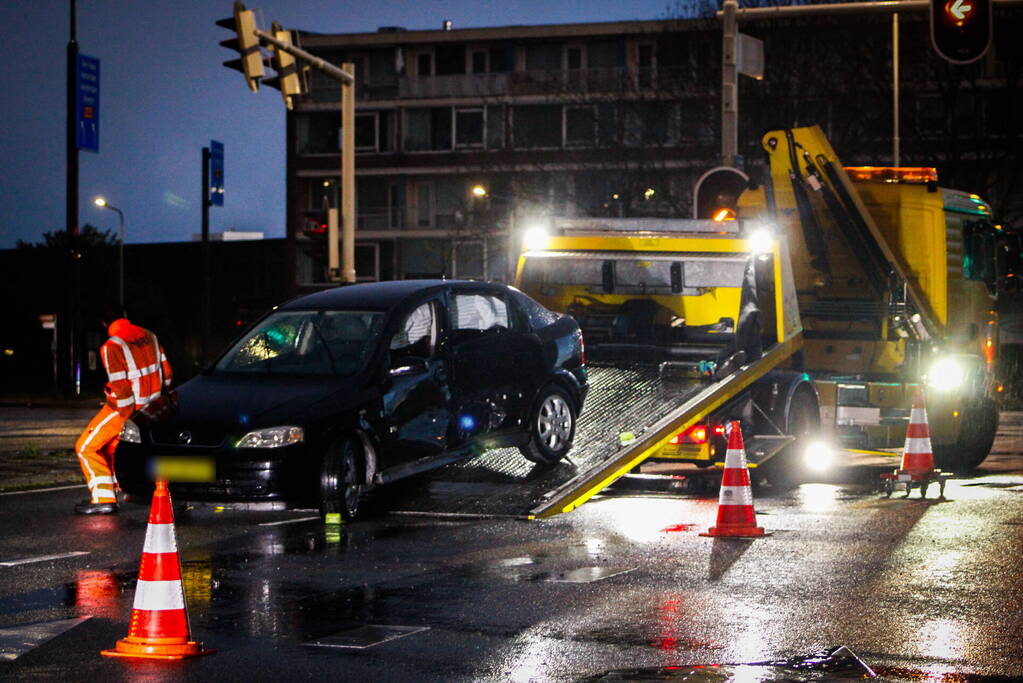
[165, 95]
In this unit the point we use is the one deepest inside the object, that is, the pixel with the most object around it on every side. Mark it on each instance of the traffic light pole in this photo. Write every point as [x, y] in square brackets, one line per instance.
[346, 77]
[729, 85]
[206, 293]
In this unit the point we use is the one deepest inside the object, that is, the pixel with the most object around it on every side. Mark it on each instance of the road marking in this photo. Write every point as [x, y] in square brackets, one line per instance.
[55, 488]
[16, 641]
[42, 558]
[289, 521]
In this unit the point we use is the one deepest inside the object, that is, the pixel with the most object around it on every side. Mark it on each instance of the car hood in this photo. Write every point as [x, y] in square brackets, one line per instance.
[228, 403]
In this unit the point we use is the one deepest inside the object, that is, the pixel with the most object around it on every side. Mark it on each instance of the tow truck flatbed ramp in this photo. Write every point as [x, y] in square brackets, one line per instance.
[501, 483]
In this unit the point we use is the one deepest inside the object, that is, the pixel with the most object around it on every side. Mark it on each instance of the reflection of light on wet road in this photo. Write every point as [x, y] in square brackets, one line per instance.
[819, 497]
[97, 593]
[749, 642]
[941, 639]
[531, 663]
[643, 520]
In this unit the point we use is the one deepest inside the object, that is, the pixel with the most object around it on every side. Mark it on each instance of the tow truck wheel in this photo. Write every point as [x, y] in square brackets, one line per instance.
[551, 427]
[339, 480]
[978, 425]
[786, 469]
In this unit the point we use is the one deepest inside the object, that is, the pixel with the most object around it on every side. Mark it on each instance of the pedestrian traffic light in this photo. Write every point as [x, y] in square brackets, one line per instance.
[288, 79]
[717, 193]
[961, 29]
[246, 43]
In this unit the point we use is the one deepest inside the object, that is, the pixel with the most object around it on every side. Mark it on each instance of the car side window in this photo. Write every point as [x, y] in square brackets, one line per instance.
[417, 334]
[475, 315]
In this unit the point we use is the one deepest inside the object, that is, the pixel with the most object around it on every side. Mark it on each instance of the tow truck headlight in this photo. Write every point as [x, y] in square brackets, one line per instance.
[535, 238]
[946, 374]
[272, 437]
[818, 456]
[130, 432]
[761, 241]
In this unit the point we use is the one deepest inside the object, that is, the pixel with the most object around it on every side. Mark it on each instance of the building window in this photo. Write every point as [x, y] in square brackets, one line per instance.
[645, 62]
[318, 133]
[580, 126]
[469, 127]
[450, 60]
[543, 57]
[367, 262]
[479, 61]
[424, 258]
[424, 205]
[502, 59]
[930, 114]
[366, 132]
[574, 57]
[651, 123]
[424, 64]
[495, 126]
[428, 129]
[469, 261]
[536, 126]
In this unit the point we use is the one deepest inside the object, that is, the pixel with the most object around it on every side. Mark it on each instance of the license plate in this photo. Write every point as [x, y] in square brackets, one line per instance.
[183, 469]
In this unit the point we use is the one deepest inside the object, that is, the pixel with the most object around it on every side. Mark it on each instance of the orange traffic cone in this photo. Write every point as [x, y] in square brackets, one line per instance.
[917, 455]
[735, 504]
[159, 621]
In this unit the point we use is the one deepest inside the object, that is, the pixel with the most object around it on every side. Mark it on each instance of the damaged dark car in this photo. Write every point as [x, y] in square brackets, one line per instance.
[341, 391]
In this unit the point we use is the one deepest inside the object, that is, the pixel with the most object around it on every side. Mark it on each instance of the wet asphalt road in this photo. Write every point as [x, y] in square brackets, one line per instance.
[914, 587]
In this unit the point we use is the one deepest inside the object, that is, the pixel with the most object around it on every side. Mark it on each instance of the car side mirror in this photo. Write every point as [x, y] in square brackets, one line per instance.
[410, 365]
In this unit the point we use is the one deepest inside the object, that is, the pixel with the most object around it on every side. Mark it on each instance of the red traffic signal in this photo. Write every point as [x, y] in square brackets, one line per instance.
[961, 29]
[716, 194]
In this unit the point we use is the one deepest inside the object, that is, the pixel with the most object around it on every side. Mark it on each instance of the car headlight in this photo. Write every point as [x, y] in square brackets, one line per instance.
[272, 437]
[130, 432]
[946, 374]
[818, 456]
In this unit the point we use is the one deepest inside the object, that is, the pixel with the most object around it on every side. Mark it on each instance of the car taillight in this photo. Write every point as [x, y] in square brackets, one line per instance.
[582, 348]
[695, 434]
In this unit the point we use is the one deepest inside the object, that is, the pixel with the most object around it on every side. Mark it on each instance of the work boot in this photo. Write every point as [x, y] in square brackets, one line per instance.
[87, 507]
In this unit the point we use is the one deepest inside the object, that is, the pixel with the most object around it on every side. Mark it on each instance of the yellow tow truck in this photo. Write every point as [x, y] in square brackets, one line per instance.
[815, 312]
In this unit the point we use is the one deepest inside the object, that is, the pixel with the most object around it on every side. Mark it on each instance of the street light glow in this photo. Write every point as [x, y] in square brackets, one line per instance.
[99, 201]
[479, 191]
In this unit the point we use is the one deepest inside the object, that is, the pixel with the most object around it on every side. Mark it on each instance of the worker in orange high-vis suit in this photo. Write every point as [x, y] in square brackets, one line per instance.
[137, 373]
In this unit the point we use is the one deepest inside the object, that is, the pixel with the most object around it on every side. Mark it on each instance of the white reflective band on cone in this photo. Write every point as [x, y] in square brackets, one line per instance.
[915, 445]
[736, 495]
[918, 416]
[159, 595]
[735, 459]
[160, 539]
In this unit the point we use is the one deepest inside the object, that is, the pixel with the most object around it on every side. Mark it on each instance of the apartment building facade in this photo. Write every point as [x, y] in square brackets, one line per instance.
[600, 119]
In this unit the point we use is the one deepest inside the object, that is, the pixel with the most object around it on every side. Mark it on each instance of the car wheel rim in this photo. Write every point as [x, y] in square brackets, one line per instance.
[554, 423]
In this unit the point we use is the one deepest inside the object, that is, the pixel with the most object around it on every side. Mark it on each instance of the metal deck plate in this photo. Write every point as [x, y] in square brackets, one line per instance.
[503, 483]
[362, 637]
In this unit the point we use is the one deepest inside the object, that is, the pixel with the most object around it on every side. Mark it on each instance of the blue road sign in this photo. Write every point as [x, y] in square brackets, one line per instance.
[87, 82]
[216, 173]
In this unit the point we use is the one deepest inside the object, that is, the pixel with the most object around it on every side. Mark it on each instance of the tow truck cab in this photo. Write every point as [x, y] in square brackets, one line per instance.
[701, 299]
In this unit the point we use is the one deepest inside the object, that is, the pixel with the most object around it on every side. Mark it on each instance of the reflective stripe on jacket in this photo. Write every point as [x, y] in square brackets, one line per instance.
[137, 368]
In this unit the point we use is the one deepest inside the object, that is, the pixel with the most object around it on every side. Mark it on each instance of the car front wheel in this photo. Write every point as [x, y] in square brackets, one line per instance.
[340, 489]
[551, 427]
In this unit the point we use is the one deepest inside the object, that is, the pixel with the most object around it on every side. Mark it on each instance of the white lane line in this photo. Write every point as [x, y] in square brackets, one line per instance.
[289, 521]
[42, 558]
[55, 488]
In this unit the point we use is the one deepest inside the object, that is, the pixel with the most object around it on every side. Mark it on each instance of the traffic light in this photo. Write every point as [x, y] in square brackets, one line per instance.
[288, 79]
[961, 29]
[717, 193]
[250, 63]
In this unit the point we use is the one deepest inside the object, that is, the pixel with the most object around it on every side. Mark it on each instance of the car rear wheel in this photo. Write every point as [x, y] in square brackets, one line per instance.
[340, 487]
[551, 427]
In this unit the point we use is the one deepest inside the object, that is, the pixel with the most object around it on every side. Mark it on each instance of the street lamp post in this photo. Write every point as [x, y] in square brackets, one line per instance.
[103, 204]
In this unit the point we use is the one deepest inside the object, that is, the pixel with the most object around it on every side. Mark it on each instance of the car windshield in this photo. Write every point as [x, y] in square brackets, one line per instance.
[306, 343]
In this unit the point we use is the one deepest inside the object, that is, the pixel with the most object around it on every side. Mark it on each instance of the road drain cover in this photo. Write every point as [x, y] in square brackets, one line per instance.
[587, 574]
[362, 637]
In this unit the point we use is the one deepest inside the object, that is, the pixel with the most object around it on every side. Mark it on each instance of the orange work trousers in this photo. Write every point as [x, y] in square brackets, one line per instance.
[95, 449]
